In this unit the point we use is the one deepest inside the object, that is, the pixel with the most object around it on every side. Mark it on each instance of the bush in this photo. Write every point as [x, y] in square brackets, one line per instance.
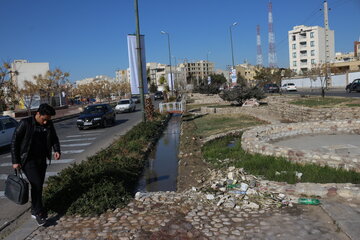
[240, 94]
[107, 179]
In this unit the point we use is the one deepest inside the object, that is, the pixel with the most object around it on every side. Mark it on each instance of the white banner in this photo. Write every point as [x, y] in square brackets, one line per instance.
[233, 75]
[133, 64]
[171, 83]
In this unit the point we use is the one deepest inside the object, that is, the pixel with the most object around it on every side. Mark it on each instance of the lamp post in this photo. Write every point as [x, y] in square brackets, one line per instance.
[171, 77]
[139, 61]
[231, 41]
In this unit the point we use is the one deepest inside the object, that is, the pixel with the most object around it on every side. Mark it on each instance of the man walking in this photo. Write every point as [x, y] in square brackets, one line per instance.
[32, 143]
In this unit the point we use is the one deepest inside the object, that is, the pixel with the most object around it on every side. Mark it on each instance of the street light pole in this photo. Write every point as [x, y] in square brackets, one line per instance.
[171, 77]
[231, 41]
[139, 61]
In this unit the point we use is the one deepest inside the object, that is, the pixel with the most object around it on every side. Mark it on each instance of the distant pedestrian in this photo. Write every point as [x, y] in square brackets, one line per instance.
[32, 143]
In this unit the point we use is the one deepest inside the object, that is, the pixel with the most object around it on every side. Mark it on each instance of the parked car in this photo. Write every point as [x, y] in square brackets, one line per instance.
[97, 115]
[159, 95]
[136, 98]
[271, 88]
[288, 87]
[7, 128]
[125, 105]
[354, 86]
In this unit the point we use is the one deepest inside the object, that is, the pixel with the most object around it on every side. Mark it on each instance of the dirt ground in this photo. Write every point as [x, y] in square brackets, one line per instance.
[192, 170]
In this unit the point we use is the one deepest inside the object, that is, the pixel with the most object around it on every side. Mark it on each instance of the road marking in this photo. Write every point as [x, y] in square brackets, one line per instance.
[72, 151]
[52, 162]
[83, 135]
[48, 174]
[75, 145]
[78, 139]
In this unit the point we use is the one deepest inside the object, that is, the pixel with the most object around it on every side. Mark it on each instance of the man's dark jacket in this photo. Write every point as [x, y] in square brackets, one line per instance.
[23, 135]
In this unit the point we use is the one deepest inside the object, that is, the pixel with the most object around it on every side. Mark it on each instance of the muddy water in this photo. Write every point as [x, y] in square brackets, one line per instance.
[161, 171]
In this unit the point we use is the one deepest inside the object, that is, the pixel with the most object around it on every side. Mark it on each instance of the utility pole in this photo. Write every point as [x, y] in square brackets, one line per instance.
[139, 61]
[327, 50]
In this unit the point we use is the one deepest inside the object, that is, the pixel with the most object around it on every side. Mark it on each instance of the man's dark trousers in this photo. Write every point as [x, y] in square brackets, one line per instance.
[35, 172]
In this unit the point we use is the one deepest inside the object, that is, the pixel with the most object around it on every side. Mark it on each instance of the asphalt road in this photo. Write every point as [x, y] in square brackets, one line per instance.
[76, 146]
[332, 92]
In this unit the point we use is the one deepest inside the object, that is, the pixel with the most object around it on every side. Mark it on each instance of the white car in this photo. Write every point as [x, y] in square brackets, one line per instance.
[125, 105]
[288, 87]
[7, 128]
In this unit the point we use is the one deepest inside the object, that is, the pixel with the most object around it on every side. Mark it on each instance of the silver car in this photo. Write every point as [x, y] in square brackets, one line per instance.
[7, 128]
[125, 105]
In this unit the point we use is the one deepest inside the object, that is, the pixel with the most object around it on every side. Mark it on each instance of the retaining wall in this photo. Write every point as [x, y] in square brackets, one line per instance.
[258, 140]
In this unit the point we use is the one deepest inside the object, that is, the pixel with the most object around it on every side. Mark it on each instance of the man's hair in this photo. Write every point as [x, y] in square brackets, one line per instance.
[46, 109]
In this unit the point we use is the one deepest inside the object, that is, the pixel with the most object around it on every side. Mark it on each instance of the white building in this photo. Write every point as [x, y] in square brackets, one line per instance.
[307, 47]
[95, 79]
[123, 76]
[27, 71]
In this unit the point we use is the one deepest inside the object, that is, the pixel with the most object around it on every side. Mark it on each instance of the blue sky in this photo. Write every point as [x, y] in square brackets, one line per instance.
[88, 37]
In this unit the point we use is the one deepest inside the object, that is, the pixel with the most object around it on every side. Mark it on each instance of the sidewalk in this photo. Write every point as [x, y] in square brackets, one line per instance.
[65, 113]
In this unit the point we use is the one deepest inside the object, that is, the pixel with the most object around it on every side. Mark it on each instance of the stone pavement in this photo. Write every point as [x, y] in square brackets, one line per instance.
[190, 215]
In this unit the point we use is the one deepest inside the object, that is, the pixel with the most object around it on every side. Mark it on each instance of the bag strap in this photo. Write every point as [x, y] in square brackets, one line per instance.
[18, 170]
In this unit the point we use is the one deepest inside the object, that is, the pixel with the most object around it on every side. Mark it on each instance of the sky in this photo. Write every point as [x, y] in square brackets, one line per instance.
[89, 37]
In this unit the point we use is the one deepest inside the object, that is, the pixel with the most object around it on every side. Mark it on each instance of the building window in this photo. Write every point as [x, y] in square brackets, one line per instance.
[312, 44]
[312, 52]
[311, 34]
[294, 63]
[294, 46]
[293, 37]
[294, 54]
[312, 61]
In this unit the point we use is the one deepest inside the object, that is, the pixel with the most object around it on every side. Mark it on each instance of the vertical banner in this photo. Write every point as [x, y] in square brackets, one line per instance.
[233, 75]
[133, 64]
[209, 80]
[171, 83]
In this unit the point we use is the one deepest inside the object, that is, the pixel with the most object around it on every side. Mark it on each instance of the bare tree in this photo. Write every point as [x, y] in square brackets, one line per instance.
[318, 72]
[6, 77]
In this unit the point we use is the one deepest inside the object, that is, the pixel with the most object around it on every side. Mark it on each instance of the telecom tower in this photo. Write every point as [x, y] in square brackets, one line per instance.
[272, 51]
[259, 58]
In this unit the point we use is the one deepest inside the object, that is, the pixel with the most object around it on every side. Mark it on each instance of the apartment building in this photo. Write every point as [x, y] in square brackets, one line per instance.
[122, 76]
[198, 70]
[27, 71]
[357, 49]
[247, 71]
[307, 47]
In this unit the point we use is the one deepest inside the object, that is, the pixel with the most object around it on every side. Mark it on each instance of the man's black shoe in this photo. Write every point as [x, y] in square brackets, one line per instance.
[39, 219]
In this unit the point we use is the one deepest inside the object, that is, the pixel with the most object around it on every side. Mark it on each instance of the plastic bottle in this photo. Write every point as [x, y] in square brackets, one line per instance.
[309, 201]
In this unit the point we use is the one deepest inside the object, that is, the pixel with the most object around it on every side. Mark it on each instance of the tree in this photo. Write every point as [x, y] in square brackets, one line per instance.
[240, 94]
[52, 82]
[162, 80]
[241, 80]
[6, 75]
[319, 72]
[268, 75]
[153, 88]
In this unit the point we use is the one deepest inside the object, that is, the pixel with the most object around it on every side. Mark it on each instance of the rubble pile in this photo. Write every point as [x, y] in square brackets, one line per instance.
[234, 188]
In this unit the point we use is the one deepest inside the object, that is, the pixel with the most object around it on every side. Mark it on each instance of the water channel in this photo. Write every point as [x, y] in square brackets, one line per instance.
[160, 173]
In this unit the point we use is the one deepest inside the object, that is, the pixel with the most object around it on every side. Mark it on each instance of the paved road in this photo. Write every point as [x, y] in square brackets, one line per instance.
[332, 92]
[76, 145]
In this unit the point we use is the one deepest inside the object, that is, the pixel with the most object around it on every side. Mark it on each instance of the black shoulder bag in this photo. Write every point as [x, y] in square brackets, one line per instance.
[17, 188]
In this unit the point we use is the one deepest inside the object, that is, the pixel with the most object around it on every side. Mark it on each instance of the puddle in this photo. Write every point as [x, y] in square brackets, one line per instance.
[231, 144]
[160, 174]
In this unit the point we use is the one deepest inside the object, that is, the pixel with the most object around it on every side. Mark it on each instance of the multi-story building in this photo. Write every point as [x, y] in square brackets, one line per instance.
[27, 71]
[197, 70]
[357, 49]
[95, 79]
[307, 47]
[247, 71]
[122, 76]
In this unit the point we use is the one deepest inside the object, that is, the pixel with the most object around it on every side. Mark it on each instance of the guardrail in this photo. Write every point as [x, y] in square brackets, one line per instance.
[173, 107]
